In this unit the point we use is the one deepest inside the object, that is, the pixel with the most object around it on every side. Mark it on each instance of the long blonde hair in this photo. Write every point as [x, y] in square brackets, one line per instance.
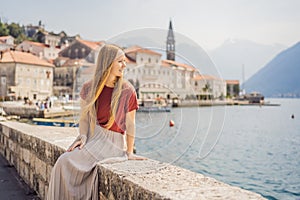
[106, 56]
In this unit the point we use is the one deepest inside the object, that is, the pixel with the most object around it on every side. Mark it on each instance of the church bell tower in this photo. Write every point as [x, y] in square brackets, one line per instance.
[170, 44]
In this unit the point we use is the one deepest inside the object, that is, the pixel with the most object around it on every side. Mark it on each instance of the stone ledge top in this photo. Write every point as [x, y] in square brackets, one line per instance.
[60, 136]
[176, 183]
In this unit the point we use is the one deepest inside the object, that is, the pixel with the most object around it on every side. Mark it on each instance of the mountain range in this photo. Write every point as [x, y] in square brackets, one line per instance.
[239, 59]
[280, 77]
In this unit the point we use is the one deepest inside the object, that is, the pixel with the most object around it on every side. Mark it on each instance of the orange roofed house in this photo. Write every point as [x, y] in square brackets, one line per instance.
[6, 42]
[74, 66]
[24, 75]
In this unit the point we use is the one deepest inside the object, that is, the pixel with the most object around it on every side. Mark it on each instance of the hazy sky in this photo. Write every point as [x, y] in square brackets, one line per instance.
[208, 22]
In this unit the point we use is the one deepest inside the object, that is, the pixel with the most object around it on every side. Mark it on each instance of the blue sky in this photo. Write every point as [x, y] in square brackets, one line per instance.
[208, 22]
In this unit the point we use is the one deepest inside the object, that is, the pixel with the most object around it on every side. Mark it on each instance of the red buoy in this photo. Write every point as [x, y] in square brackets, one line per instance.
[171, 123]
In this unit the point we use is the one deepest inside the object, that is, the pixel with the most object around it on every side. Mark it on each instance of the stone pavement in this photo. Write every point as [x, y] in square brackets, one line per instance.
[12, 187]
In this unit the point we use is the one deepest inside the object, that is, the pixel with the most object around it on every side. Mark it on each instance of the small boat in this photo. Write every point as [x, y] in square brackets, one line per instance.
[154, 105]
[54, 122]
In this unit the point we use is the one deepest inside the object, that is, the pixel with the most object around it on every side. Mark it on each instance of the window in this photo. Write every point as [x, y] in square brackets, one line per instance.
[3, 80]
[83, 52]
[149, 60]
[76, 53]
[34, 83]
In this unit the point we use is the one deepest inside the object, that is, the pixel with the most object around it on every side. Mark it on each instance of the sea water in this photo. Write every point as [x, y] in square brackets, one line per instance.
[253, 147]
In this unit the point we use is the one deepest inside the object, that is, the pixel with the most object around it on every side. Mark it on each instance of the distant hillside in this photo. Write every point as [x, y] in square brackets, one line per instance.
[234, 53]
[280, 77]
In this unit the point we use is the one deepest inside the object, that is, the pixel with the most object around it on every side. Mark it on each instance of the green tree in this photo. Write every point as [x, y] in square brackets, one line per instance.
[21, 38]
[4, 31]
[15, 30]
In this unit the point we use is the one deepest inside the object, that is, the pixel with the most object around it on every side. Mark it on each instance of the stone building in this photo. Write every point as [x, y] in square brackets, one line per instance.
[48, 44]
[31, 30]
[6, 42]
[233, 88]
[41, 50]
[81, 49]
[25, 75]
[207, 87]
[73, 65]
[154, 77]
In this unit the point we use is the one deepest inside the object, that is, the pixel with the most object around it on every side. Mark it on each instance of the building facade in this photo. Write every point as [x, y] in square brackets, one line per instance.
[233, 88]
[39, 49]
[74, 66]
[6, 43]
[156, 78]
[25, 75]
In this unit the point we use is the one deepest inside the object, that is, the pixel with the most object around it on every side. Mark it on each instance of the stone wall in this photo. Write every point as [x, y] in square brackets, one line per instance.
[33, 151]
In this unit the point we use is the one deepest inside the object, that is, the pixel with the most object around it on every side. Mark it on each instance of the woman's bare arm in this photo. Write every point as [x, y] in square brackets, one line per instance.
[130, 135]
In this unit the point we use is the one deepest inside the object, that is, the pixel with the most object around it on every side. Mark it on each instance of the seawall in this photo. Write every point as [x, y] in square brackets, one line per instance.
[33, 150]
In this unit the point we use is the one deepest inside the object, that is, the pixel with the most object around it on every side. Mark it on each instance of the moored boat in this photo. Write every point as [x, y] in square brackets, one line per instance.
[55, 122]
[154, 105]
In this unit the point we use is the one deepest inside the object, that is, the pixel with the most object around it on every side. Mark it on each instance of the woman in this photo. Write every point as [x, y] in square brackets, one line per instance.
[106, 127]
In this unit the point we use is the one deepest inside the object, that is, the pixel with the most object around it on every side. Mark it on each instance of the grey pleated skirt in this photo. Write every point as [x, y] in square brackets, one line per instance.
[74, 175]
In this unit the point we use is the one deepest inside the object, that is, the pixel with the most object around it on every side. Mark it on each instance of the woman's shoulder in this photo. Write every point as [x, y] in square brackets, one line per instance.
[86, 88]
[127, 86]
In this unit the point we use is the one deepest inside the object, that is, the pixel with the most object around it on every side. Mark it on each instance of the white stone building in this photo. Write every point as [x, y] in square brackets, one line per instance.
[25, 75]
[208, 87]
[47, 51]
[144, 71]
[168, 79]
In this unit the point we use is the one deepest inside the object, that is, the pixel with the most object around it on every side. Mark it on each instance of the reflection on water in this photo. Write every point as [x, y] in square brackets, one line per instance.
[258, 148]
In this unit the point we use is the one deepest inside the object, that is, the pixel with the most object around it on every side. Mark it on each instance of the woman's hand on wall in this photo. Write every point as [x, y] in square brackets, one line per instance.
[80, 141]
[132, 156]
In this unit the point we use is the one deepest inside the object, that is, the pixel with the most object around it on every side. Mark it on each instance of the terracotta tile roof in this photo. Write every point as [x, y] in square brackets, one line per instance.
[91, 44]
[22, 57]
[233, 82]
[205, 77]
[135, 49]
[171, 62]
[4, 38]
[34, 43]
